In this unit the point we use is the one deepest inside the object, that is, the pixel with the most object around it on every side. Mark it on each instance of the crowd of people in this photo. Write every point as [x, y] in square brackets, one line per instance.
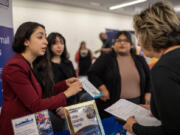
[41, 76]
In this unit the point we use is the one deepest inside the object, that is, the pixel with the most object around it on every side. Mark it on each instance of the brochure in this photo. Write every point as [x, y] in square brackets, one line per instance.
[90, 88]
[35, 124]
[83, 119]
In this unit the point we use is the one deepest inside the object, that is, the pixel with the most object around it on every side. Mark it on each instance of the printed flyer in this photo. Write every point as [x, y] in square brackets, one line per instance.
[90, 88]
[83, 119]
[35, 124]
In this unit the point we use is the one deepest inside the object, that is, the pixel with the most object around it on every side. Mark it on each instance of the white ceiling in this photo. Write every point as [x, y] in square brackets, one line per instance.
[103, 5]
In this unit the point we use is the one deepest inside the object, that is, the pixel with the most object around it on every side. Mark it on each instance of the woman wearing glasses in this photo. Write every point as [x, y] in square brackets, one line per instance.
[120, 74]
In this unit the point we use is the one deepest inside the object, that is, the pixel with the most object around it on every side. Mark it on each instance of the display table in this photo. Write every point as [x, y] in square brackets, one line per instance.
[111, 127]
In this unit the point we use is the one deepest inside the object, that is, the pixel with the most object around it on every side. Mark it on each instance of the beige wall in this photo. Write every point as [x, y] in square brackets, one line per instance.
[76, 24]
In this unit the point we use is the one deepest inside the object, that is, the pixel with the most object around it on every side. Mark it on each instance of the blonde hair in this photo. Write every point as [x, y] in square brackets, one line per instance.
[157, 26]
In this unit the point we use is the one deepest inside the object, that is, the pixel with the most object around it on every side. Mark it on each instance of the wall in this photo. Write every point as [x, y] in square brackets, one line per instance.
[76, 24]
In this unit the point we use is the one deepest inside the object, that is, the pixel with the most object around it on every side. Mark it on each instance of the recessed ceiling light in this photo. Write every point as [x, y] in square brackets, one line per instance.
[126, 4]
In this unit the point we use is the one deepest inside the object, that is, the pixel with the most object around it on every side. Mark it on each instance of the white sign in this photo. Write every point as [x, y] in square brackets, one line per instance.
[35, 124]
[25, 125]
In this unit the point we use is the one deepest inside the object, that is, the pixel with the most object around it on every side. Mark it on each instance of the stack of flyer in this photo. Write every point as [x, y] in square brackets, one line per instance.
[35, 124]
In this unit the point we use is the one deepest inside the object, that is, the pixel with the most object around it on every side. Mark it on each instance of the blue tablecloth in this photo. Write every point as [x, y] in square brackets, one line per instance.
[111, 127]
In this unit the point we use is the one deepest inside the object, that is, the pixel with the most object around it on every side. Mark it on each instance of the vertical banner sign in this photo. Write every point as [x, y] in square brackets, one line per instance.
[112, 33]
[6, 36]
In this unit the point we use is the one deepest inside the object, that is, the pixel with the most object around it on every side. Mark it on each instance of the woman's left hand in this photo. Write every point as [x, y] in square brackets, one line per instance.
[129, 124]
[71, 80]
[147, 98]
[60, 112]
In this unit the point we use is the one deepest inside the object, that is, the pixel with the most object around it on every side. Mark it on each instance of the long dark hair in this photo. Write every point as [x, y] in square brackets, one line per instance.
[52, 40]
[43, 70]
[23, 33]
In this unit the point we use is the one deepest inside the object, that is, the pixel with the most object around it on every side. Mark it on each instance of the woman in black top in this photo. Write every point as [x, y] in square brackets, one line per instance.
[111, 72]
[62, 66]
[62, 69]
[83, 58]
[158, 29]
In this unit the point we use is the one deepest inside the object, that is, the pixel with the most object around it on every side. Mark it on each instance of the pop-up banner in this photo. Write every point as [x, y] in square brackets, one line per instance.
[6, 37]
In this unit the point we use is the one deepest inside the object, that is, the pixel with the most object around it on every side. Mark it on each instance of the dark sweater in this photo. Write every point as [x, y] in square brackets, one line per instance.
[105, 71]
[63, 71]
[165, 99]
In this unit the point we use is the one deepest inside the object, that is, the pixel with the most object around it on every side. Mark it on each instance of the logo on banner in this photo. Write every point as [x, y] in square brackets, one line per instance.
[4, 40]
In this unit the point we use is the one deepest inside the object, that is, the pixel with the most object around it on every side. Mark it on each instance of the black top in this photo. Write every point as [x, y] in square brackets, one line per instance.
[84, 63]
[63, 71]
[165, 99]
[106, 44]
[105, 71]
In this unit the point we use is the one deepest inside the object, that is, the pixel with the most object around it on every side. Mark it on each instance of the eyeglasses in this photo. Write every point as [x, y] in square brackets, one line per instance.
[122, 40]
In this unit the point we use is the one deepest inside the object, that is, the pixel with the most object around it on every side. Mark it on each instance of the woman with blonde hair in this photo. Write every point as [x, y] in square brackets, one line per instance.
[158, 31]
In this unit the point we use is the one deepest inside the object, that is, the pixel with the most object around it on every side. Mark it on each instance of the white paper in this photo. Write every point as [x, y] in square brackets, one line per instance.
[90, 88]
[123, 109]
[25, 125]
[35, 124]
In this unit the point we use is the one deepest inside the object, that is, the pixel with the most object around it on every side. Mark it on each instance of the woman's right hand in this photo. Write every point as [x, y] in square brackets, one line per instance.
[105, 96]
[73, 89]
[145, 106]
[105, 92]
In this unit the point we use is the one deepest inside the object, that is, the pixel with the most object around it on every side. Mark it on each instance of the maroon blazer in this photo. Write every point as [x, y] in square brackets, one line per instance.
[22, 94]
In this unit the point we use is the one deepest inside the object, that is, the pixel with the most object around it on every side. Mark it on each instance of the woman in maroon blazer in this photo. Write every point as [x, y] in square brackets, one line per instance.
[22, 92]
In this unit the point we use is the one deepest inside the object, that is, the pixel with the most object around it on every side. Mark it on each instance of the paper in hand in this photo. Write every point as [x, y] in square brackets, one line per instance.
[90, 88]
[123, 109]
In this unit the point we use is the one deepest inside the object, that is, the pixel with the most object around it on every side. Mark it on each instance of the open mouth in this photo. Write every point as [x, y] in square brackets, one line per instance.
[44, 49]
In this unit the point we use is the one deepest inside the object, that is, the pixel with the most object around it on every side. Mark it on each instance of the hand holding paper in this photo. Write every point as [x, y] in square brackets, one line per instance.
[105, 93]
[124, 109]
[129, 124]
[91, 89]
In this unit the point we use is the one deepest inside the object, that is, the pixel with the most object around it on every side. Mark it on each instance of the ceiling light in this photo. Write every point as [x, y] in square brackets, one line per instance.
[177, 9]
[126, 4]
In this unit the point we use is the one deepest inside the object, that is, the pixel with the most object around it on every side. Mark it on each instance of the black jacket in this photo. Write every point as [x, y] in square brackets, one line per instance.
[105, 71]
[165, 98]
